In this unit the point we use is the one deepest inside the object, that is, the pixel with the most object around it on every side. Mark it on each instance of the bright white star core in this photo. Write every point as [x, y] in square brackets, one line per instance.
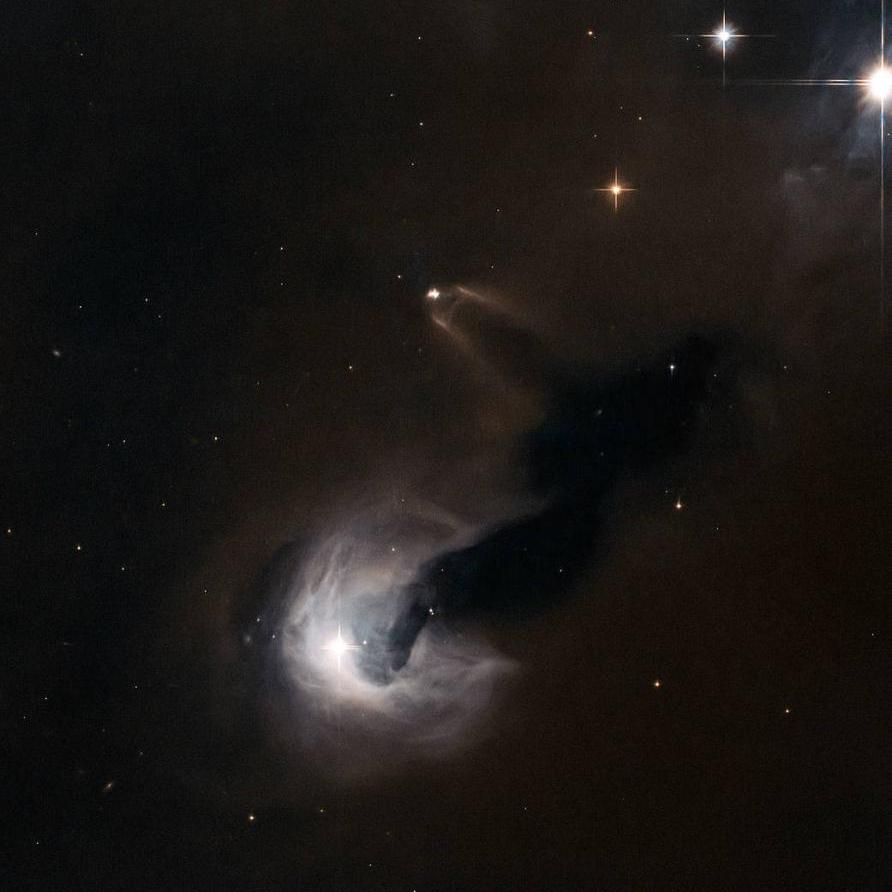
[338, 646]
[879, 84]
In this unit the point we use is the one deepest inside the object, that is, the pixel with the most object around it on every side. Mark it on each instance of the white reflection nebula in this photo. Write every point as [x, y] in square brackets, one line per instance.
[349, 597]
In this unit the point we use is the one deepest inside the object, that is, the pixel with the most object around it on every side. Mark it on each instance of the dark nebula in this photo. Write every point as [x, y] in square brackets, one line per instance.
[386, 504]
[592, 433]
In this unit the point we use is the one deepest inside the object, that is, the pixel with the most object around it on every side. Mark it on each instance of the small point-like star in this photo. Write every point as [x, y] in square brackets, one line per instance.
[616, 189]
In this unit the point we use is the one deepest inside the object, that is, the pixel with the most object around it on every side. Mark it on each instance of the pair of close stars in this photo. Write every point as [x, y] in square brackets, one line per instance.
[878, 86]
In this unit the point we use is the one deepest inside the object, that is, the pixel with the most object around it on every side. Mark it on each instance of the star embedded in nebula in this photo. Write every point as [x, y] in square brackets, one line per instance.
[879, 84]
[490, 501]
[616, 189]
[338, 646]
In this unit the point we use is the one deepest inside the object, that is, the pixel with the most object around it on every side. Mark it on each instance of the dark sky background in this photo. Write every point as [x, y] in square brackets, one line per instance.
[221, 224]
